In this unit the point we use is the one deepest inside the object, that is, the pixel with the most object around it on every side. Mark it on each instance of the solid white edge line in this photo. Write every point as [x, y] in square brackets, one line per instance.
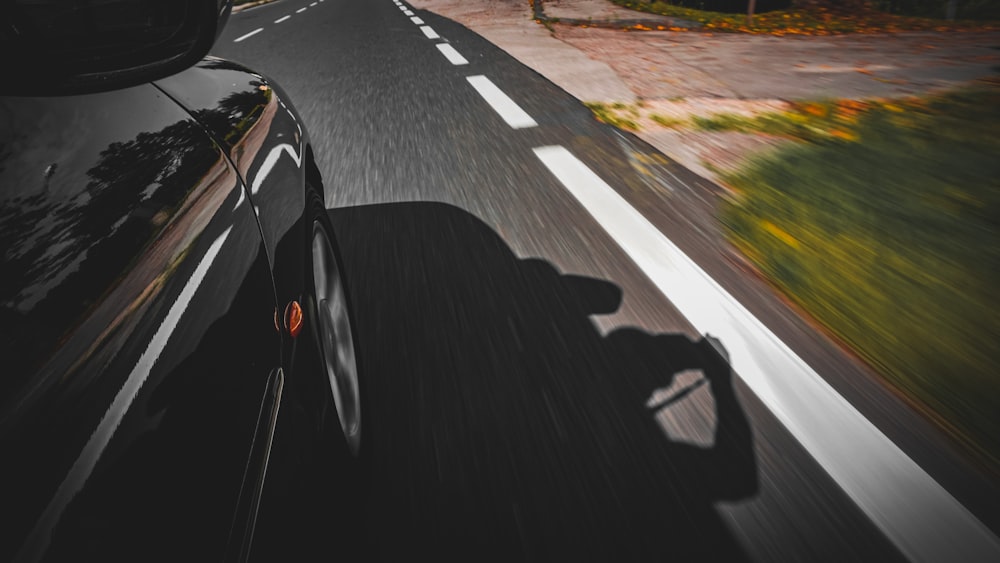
[101, 437]
[430, 33]
[453, 56]
[279, 20]
[417, 20]
[914, 511]
[252, 33]
[501, 103]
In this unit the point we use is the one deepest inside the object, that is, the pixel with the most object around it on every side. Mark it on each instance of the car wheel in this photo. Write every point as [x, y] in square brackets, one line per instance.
[337, 349]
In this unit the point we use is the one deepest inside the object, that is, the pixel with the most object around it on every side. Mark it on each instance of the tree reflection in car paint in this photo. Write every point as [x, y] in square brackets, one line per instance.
[97, 245]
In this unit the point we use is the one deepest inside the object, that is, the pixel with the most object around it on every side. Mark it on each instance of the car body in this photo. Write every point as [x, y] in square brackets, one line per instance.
[160, 328]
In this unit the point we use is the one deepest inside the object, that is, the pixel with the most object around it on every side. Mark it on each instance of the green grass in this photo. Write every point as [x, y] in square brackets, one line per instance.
[819, 121]
[613, 114]
[806, 22]
[626, 116]
[890, 237]
[668, 121]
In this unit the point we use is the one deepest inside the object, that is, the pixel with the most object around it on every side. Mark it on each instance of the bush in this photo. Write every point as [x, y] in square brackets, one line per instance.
[729, 6]
[890, 241]
[967, 9]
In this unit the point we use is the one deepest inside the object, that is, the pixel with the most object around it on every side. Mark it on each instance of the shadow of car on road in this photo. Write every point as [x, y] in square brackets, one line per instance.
[506, 426]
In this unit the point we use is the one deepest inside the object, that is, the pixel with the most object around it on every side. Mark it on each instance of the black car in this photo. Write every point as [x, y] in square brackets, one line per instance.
[173, 323]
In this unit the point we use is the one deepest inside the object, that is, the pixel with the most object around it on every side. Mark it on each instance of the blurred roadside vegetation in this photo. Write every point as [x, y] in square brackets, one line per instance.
[964, 9]
[878, 17]
[618, 114]
[884, 225]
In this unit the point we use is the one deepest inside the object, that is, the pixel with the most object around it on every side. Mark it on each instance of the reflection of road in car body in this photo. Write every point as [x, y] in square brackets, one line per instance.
[512, 427]
[102, 263]
[264, 141]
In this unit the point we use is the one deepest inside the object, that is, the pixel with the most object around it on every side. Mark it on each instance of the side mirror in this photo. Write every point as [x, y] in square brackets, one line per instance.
[55, 47]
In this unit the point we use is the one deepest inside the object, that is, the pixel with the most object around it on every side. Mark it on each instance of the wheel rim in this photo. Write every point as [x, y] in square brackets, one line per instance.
[336, 340]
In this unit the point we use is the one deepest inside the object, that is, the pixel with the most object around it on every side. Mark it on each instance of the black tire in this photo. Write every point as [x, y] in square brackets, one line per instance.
[343, 483]
[335, 341]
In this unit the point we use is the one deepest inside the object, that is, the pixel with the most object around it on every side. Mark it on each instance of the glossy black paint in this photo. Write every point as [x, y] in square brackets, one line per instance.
[249, 117]
[137, 311]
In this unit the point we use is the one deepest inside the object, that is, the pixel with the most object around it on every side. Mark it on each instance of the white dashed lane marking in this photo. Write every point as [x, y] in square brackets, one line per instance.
[251, 34]
[417, 20]
[501, 103]
[430, 33]
[451, 54]
[279, 20]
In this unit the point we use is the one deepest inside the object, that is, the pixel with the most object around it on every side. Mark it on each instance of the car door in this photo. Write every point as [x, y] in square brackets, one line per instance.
[138, 332]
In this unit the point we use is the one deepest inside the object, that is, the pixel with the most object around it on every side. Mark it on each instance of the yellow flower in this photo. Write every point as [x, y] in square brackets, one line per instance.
[814, 109]
[845, 135]
[780, 233]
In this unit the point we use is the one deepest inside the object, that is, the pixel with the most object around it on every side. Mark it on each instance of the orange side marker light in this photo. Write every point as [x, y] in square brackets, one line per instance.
[293, 318]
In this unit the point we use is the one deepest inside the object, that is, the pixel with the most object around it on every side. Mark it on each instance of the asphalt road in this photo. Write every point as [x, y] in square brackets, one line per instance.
[510, 392]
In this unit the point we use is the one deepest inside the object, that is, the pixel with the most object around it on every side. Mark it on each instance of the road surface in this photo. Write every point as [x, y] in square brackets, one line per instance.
[529, 285]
